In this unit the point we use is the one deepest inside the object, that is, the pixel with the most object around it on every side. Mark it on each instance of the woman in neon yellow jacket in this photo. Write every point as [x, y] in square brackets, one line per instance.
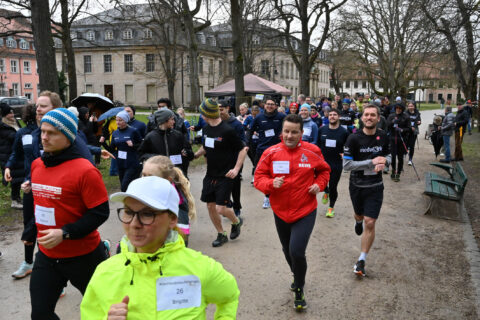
[155, 276]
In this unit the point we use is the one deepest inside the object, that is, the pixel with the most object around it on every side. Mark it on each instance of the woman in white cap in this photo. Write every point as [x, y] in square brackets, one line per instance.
[155, 276]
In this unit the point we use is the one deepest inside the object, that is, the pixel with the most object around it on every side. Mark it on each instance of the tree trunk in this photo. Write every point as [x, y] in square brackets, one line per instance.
[195, 98]
[44, 49]
[237, 46]
[67, 44]
[171, 90]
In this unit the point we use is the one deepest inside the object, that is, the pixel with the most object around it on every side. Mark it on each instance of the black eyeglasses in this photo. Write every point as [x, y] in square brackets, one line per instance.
[145, 218]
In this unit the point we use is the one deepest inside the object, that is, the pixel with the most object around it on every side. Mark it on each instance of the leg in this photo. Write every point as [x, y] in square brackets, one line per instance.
[411, 146]
[227, 213]
[284, 232]
[15, 194]
[236, 192]
[46, 284]
[113, 167]
[129, 175]
[335, 175]
[121, 174]
[215, 217]
[393, 148]
[446, 144]
[368, 234]
[300, 234]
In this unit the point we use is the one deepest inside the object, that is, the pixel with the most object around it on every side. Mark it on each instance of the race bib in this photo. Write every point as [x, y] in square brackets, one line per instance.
[45, 216]
[344, 126]
[281, 167]
[209, 142]
[27, 139]
[176, 159]
[307, 132]
[122, 155]
[269, 133]
[330, 143]
[413, 124]
[395, 125]
[178, 292]
[254, 137]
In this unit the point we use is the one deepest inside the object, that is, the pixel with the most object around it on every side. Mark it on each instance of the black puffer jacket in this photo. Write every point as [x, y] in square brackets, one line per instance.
[7, 136]
[166, 143]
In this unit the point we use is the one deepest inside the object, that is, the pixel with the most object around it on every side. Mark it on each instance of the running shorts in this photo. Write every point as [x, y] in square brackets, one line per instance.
[367, 201]
[216, 190]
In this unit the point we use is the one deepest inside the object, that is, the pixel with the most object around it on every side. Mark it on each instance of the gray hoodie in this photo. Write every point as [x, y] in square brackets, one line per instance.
[448, 124]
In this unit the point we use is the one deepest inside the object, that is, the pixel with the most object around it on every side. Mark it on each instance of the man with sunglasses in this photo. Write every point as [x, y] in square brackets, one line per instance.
[69, 207]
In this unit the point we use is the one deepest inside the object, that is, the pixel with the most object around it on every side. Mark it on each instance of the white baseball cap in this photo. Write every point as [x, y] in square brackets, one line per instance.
[152, 191]
[398, 99]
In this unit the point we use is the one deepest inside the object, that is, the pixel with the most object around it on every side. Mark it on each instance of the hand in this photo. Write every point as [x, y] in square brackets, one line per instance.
[27, 243]
[102, 139]
[379, 160]
[278, 182]
[184, 152]
[130, 143]
[106, 155]
[8, 177]
[192, 128]
[314, 189]
[379, 167]
[119, 311]
[51, 238]
[232, 173]
[26, 187]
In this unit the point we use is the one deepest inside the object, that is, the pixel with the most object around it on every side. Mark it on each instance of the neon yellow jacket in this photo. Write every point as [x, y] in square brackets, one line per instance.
[116, 277]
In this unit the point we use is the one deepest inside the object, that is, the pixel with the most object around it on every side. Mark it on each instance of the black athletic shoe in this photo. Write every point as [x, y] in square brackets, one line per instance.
[359, 268]
[299, 303]
[221, 239]
[236, 228]
[358, 228]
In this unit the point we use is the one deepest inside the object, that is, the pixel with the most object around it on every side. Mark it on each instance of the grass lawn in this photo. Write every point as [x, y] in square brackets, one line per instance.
[428, 106]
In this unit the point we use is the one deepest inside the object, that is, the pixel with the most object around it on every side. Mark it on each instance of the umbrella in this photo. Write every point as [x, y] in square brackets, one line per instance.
[101, 102]
[110, 113]
[437, 141]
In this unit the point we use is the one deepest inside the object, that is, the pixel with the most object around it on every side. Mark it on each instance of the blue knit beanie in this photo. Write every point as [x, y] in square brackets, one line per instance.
[64, 121]
[124, 116]
[305, 105]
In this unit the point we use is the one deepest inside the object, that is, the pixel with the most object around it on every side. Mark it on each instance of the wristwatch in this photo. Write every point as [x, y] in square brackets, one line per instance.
[66, 235]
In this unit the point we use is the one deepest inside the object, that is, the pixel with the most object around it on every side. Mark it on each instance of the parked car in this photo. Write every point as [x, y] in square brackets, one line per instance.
[17, 103]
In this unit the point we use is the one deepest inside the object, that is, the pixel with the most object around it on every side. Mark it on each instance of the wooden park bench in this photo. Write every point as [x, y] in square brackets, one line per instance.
[445, 194]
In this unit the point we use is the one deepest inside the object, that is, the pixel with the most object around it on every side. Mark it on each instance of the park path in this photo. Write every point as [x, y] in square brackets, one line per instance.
[418, 267]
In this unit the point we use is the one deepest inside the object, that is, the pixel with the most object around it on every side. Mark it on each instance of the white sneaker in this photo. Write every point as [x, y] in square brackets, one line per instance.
[253, 180]
[24, 270]
[266, 203]
[16, 205]
[409, 162]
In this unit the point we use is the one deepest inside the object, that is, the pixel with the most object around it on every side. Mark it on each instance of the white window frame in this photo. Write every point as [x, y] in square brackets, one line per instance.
[27, 85]
[127, 34]
[128, 65]
[109, 35]
[90, 35]
[24, 45]
[2, 65]
[148, 34]
[16, 66]
[11, 43]
[85, 63]
[15, 88]
[27, 67]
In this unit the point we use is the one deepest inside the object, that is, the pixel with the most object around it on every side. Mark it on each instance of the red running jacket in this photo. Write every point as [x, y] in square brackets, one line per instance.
[305, 166]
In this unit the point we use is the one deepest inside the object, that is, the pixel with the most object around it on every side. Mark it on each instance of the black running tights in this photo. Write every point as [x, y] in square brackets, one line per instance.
[331, 188]
[294, 239]
[49, 277]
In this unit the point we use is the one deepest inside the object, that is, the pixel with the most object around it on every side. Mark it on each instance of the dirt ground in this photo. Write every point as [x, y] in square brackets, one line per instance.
[417, 268]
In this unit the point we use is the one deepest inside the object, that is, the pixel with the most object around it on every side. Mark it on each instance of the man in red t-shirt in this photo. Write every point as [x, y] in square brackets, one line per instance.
[71, 202]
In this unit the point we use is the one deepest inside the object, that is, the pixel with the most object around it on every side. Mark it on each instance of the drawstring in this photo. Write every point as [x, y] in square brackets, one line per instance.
[133, 270]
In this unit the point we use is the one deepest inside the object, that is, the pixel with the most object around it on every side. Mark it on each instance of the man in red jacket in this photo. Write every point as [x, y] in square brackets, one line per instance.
[292, 172]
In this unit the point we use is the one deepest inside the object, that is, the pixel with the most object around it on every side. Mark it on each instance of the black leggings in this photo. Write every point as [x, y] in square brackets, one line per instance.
[236, 191]
[331, 188]
[29, 228]
[412, 138]
[294, 239]
[15, 194]
[398, 151]
[50, 276]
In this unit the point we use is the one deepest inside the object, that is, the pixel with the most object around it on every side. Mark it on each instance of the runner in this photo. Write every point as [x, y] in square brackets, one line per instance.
[310, 128]
[268, 126]
[398, 126]
[366, 152]
[139, 125]
[225, 153]
[414, 120]
[69, 207]
[252, 137]
[155, 276]
[347, 117]
[331, 142]
[293, 172]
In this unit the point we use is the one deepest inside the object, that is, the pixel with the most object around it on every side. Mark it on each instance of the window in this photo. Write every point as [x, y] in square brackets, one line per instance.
[200, 65]
[212, 41]
[230, 68]
[210, 67]
[147, 34]
[355, 84]
[127, 34]
[201, 38]
[26, 67]
[28, 86]
[24, 45]
[287, 69]
[14, 66]
[79, 35]
[128, 93]
[265, 66]
[151, 93]
[364, 84]
[128, 61]
[281, 69]
[15, 89]
[109, 35]
[150, 67]
[87, 64]
[359, 73]
[220, 68]
[89, 88]
[107, 63]
[347, 84]
[1, 42]
[256, 39]
[11, 43]
[292, 75]
[2, 65]
[90, 35]
[73, 36]
[28, 96]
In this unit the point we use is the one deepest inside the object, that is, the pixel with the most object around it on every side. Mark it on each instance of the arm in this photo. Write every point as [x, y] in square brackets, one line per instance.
[200, 152]
[187, 151]
[240, 159]
[322, 172]
[90, 221]
[263, 181]
[314, 133]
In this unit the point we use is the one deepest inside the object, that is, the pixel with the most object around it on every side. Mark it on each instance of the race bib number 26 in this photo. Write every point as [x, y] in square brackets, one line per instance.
[178, 292]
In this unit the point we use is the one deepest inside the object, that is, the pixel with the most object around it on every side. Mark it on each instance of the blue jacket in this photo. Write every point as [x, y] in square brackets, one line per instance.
[310, 131]
[263, 124]
[21, 149]
[126, 156]
[140, 126]
[238, 127]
